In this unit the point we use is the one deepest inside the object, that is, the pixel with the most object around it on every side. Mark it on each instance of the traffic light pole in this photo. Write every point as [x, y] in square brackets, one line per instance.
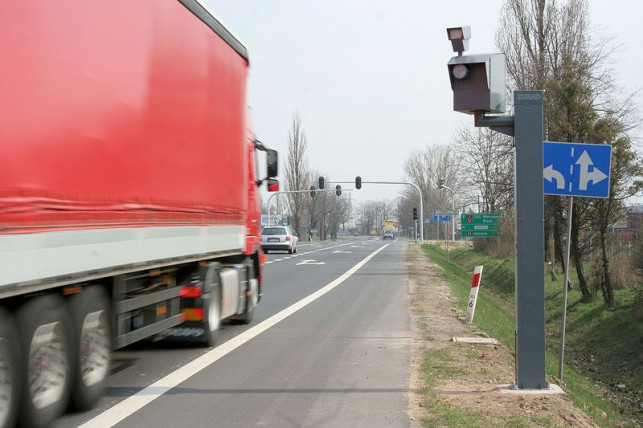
[398, 183]
[294, 191]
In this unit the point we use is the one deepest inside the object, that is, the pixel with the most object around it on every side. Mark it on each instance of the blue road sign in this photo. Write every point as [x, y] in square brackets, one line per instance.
[441, 218]
[572, 169]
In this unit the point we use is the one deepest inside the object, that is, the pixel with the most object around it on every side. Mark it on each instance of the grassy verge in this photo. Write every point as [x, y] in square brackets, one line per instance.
[607, 342]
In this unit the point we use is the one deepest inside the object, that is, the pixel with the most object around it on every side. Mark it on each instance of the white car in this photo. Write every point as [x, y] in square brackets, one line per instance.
[279, 238]
[388, 235]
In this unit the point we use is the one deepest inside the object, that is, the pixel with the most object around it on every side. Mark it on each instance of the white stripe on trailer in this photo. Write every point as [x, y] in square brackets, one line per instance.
[473, 295]
[32, 256]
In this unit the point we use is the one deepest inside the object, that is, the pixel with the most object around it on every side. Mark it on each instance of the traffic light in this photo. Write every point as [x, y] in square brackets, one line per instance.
[415, 213]
[440, 183]
[338, 190]
[358, 182]
[312, 191]
[321, 182]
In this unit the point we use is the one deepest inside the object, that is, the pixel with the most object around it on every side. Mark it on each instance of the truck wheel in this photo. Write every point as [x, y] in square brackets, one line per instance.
[253, 299]
[91, 345]
[45, 338]
[9, 381]
[212, 319]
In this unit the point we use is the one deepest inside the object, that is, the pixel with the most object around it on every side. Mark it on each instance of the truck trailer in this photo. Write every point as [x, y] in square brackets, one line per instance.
[129, 191]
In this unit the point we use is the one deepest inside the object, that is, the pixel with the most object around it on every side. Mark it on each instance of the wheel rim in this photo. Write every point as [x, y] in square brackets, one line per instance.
[213, 312]
[94, 348]
[47, 367]
[6, 382]
[254, 288]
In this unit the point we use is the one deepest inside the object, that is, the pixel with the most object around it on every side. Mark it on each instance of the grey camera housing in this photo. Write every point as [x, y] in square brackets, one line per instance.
[483, 88]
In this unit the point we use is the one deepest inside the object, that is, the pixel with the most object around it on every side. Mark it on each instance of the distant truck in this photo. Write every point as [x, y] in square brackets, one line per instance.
[129, 191]
[388, 229]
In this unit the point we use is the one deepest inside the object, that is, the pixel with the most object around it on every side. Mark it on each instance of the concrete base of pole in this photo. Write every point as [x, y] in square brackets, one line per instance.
[513, 389]
[475, 340]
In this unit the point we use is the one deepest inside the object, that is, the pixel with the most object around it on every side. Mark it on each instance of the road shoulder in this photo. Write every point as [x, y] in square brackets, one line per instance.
[449, 380]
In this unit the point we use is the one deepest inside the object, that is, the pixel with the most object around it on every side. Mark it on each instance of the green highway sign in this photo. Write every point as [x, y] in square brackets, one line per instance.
[471, 227]
[480, 233]
[481, 218]
[480, 225]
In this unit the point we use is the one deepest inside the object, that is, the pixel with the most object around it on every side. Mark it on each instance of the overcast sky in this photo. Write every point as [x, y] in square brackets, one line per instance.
[369, 77]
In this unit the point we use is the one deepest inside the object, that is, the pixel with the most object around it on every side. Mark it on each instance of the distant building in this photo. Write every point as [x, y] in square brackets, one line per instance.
[632, 222]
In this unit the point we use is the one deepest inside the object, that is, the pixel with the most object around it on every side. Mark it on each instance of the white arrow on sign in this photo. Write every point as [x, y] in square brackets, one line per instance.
[550, 174]
[310, 262]
[596, 176]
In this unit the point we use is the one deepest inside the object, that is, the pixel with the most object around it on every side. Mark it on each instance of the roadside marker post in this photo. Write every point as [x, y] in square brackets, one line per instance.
[473, 295]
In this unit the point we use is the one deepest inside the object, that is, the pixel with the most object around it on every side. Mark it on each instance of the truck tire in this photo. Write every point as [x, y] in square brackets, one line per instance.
[9, 380]
[91, 345]
[45, 336]
[212, 306]
[253, 298]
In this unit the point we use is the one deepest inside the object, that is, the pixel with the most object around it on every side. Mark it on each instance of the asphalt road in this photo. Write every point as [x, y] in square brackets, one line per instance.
[329, 346]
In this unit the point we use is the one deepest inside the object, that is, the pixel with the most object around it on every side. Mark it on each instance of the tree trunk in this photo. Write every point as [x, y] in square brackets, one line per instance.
[606, 285]
[558, 234]
[548, 235]
[578, 257]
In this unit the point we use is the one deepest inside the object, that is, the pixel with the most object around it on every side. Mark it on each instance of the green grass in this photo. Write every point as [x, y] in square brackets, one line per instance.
[611, 339]
[439, 365]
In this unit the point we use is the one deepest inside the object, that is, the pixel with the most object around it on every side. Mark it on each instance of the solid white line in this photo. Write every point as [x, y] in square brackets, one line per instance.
[128, 406]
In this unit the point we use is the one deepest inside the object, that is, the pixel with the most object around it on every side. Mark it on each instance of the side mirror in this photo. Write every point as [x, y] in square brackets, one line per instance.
[272, 162]
[273, 185]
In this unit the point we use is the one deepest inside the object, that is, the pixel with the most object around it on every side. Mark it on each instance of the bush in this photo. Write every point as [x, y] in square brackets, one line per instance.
[502, 246]
[622, 274]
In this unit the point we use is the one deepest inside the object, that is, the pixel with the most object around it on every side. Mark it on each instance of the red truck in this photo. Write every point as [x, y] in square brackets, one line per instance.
[129, 191]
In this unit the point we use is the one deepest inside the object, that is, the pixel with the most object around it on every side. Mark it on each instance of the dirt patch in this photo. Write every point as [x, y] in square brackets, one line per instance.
[476, 371]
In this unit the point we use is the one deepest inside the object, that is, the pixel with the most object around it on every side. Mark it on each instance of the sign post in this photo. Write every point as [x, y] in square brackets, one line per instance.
[571, 169]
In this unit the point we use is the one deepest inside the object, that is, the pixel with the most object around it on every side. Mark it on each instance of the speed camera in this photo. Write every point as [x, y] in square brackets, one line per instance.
[478, 83]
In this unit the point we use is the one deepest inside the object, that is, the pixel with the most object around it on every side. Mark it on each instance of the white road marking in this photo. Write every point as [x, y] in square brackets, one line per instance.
[342, 252]
[310, 262]
[309, 252]
[127, 407]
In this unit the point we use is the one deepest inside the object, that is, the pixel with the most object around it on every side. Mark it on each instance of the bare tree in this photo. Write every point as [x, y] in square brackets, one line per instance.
[371, 214]
[489, 173]
[297, 175]
[549, 45]
[425, 167]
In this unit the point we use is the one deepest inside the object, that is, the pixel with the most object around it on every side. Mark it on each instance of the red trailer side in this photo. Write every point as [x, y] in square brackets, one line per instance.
[122, 136]
[118, 114]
